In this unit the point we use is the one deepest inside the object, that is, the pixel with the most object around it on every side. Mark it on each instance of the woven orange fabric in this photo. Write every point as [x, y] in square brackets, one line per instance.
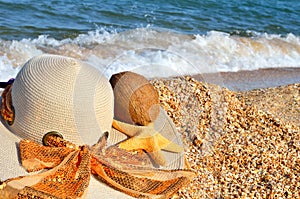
[71, 166]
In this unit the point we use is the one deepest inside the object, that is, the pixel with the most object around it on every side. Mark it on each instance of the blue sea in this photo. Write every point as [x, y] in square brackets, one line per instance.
[156, 38]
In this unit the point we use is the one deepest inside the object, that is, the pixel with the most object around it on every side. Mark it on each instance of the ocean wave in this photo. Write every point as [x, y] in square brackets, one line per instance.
[159, 52]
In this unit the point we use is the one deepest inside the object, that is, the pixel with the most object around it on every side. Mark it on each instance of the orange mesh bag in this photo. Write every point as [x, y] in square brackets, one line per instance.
[71, 167]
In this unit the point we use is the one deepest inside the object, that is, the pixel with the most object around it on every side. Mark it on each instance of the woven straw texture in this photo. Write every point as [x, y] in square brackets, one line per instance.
[64, 95]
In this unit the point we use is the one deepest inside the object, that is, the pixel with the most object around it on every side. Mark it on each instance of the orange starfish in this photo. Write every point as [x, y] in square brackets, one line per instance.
[146, 138]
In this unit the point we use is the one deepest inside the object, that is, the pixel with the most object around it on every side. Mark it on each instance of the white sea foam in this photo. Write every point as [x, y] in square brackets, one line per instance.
[158, 53]
[6, 69]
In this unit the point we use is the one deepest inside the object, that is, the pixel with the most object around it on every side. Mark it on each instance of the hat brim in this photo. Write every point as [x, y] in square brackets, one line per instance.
[11, 167]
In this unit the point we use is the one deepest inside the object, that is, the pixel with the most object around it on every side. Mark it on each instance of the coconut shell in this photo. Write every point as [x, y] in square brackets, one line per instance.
[135, 99]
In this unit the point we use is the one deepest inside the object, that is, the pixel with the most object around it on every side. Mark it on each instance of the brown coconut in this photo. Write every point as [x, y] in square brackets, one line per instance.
[135, 99]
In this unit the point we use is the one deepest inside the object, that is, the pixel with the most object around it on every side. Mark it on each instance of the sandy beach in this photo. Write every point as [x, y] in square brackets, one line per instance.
[243, 143]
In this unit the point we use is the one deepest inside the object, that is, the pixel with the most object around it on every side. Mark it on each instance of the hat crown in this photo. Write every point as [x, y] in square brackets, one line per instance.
[56, 93]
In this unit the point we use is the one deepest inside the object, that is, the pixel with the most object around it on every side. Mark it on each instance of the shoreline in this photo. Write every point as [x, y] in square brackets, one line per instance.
[247, 80]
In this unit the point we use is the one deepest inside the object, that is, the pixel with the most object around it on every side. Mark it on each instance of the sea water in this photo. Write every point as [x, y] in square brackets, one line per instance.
[154, 38]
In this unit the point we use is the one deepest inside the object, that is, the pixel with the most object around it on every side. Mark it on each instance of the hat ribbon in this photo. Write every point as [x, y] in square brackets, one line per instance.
[7, 110]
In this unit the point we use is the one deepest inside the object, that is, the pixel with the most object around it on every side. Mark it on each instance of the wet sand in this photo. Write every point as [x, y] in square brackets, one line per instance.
[249, 80]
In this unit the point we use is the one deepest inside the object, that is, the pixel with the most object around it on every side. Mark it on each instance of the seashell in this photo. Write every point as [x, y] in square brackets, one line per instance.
[135, 99]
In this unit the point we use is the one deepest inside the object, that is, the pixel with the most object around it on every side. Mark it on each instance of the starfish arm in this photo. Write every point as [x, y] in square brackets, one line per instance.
[158, 157]
[127, 129]
[167, 145]
[136, 143]
[150, 141]
[149, 144]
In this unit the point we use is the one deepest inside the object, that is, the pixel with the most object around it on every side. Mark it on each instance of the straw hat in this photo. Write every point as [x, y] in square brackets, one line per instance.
[56, 93]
